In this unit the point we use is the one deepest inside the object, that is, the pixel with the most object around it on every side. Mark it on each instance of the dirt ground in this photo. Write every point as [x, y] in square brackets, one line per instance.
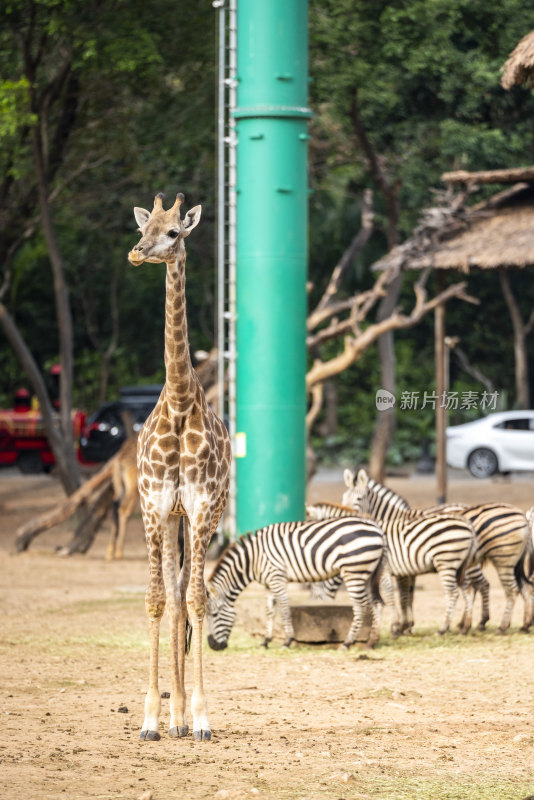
[423, 717]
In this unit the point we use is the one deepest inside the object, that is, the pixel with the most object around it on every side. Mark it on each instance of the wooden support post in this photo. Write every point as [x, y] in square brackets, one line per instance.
[441, 389]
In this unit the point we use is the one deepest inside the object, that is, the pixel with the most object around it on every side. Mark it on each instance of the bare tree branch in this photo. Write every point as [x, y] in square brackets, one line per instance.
[355, 346]
[317, 396]
[357, 243]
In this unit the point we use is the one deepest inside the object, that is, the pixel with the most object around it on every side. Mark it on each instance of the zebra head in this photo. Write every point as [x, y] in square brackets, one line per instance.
[356, 494]
[220, 616]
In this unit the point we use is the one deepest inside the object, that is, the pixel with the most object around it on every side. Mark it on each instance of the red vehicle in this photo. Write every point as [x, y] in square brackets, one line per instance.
[23, 441]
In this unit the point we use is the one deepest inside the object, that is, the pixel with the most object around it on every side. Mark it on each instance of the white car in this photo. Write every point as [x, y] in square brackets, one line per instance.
[500, 442]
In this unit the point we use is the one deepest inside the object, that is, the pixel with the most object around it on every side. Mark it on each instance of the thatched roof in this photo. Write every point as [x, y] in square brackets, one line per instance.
[498, 233]
[520, 65]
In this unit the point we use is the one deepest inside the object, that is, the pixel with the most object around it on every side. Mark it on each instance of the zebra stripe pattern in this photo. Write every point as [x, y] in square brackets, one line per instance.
[416, 543]
[502, 534]
[351, 548]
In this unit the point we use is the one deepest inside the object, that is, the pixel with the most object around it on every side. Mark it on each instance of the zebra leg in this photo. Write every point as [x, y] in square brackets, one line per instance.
[359, 591]
[511, 589]
[527, 591]
[475, 577]
[388, 595]
[450, 584]
[406, 584]
[375, 624]
[468, 593]
[271, 609]
[280, 595]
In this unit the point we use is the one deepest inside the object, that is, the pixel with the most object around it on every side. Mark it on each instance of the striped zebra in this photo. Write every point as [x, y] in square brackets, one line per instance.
[301, 552]
[417, 543]
[329, 589]
[501, 537]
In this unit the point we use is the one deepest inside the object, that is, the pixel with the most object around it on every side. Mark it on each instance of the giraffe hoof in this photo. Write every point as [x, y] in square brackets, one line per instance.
[150, 736]
[501, 631]
[202, 736]
[179, 731]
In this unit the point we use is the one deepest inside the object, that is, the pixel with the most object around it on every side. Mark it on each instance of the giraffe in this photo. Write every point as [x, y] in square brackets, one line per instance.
[183, 462]
[125, 494]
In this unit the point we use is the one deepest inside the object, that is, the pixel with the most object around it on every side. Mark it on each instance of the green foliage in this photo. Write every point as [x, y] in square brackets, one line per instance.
[130, 110]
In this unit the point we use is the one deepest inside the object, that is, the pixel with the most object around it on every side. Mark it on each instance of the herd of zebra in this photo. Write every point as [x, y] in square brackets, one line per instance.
[371, 542]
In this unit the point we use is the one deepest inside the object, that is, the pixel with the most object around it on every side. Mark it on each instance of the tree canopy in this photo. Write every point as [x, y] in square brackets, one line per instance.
[119, 100]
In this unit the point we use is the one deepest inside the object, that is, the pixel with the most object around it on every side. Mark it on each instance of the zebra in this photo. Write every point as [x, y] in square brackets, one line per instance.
[310, 551]
[417, 543]
[501, 536]
[328, 589]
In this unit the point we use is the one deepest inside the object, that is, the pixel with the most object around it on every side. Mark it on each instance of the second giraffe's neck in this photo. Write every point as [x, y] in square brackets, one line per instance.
[179, 369]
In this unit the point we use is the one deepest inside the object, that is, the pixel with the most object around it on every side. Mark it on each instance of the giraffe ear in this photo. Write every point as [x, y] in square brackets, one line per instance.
[191, 219]
[348, 477]
[141, 216]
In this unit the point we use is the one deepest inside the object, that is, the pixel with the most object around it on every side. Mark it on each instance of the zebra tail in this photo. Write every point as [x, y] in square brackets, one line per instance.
[527, 556]
[468, 561]
[375, 579]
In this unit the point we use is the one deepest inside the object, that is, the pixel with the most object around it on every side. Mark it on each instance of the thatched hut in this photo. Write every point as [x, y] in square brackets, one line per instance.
[519, 69]
[496, 234]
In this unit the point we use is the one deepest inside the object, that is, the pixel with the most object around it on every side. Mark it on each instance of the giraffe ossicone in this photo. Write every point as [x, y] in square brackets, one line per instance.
[183, 462]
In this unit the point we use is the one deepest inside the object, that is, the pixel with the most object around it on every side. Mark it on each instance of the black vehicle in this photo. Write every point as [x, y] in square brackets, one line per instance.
[111, 424]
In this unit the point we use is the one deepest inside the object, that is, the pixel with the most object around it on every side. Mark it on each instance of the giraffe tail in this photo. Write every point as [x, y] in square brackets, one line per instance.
[188, 635]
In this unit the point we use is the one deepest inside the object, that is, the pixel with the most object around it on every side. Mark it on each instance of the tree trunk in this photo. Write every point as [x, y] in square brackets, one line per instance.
[385, 421]
[89, 526]
[64, 319]
[85, 494]
[520, 349]
[329, 426]
[54, 435]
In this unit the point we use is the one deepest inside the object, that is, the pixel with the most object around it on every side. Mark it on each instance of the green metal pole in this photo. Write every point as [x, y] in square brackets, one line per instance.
[272, 200]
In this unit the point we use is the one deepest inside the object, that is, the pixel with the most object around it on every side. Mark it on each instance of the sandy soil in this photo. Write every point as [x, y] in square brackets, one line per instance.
[421, 717]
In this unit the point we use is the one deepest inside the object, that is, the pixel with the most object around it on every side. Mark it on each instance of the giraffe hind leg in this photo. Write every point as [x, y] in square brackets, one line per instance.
[199, 537]
[175, 609]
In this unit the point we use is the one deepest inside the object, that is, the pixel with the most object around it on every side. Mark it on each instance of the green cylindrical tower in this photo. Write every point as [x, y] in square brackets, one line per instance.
[272, 199]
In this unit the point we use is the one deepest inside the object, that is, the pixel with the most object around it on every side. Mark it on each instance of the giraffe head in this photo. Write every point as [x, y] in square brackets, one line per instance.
[162, 232]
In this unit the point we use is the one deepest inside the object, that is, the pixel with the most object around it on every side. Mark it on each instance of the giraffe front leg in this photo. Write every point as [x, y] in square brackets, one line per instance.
[110, 554]
[155, 606]
[150, 731]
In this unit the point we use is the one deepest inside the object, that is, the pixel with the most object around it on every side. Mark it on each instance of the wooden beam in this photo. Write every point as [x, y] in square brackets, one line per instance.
[490, 176]
[441, 388]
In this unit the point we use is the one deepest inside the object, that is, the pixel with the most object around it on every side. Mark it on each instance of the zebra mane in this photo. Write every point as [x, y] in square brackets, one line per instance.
[379, 490]
[234, 547]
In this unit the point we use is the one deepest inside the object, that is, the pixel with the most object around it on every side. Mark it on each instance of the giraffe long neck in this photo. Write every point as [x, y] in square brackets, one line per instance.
[180, 377]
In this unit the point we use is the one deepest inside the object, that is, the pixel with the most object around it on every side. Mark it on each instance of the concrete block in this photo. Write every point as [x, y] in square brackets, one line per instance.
[318, 623]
